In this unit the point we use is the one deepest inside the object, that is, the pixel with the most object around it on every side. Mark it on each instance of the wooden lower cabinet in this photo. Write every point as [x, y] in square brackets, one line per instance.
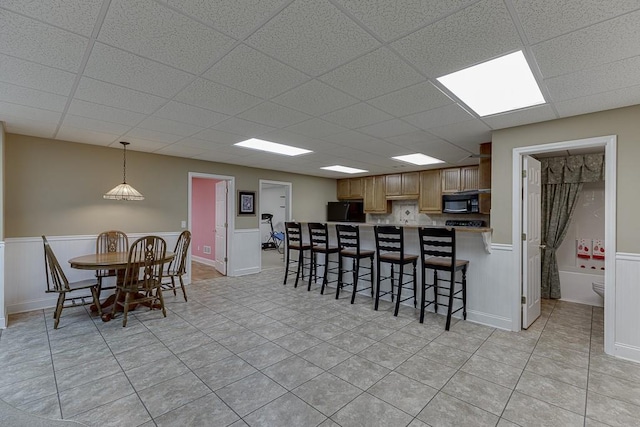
[430, 200]
[375, 200]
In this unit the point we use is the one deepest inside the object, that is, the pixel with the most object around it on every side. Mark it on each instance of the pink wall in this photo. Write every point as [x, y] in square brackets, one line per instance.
[203, 216]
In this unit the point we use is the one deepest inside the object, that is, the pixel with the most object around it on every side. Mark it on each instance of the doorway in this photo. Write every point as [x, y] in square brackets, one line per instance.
[275, 210]
[519, 225]
[211, 224]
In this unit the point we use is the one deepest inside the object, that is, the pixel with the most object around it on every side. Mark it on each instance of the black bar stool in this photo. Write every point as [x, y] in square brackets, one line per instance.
[349, 244]
[390, 249]
[293, 231]
[438, 252]
[319, 238]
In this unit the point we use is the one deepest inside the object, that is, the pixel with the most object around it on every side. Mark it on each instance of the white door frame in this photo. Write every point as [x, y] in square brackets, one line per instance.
[231, 212]
[609, 144]
[289, 193]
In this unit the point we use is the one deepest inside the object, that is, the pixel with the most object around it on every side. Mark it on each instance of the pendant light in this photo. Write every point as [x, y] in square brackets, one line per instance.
[124, 191]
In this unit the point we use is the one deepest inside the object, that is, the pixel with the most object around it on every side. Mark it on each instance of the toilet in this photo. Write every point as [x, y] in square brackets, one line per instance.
[598, 288]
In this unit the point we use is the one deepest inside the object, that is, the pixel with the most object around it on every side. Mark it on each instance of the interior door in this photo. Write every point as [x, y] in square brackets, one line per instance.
[220, 262]
[531, 228]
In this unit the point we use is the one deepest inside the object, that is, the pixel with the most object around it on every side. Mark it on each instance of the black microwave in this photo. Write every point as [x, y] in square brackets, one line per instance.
[460, 203]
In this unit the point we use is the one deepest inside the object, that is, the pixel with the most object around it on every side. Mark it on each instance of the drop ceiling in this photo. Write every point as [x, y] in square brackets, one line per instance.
[352, 80]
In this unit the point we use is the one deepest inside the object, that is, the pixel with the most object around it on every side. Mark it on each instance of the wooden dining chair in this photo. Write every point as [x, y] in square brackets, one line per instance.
[142, 282]
[110, 241]
[58, 283]
[178, 265]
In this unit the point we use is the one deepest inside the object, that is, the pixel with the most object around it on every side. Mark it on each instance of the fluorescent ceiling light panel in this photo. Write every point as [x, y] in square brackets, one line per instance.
[502, 84]
[418, 159]
[343, 169]
[272, 147]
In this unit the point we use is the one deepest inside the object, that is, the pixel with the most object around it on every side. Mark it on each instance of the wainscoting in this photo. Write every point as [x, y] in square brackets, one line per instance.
[627, 306]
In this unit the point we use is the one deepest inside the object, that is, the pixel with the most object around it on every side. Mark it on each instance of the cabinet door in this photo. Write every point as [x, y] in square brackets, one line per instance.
[450, 180]
[469, 178]
[411, 184]
[342, 189]
[356, 190]
[393, 185]
[430, 200]
[374, 196]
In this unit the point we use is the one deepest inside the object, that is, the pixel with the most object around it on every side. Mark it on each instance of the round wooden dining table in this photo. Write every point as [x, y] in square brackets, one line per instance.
[109, 261]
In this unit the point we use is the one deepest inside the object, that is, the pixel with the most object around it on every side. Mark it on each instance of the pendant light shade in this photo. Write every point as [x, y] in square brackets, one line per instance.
[124, 191]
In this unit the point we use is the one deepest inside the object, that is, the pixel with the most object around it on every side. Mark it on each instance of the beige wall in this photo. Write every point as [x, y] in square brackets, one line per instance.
[622, 122]
[56, 187]
[2, 180]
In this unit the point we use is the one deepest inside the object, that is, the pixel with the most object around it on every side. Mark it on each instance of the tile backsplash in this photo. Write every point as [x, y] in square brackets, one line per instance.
[405, 212]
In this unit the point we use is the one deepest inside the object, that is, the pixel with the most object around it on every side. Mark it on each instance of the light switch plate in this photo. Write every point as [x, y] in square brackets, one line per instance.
[183, 224]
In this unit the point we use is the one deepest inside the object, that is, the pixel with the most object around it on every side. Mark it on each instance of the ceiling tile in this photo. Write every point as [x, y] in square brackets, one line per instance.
[116, 66]
[315, 98]
[389, 128]
[599, 102]
[103, 112]
[545, 19]
[31, 97]
[315, 128]
[94, 125]
[602, 78]
[75, 16]
[480, 32]
[189, 114]
[146, 145]
[374, 74]
[234, 17]
[414, 139]
[21, 111]
[169, 126]
[35, 76]
[466, 135]
[392, 19]
[252, 72]
[312, 36]
[22, 126]
[446, 115]
[213, 96]
[180, 151]
[84, 136]
[413, 99]
[117, 96]
[275, 115]
[594, 45]
[539, 113]
[147, 28]
[243, 127]
[219, 136]
[286, 137]
[439, 149]
[349, 137]
[217, 156]
[357, 115]
[32, 40]
[151, 135]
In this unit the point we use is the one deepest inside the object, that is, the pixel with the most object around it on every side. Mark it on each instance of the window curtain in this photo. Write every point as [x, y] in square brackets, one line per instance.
[562, 179]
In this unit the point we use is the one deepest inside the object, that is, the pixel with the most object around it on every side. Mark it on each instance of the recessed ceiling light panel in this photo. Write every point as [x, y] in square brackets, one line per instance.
[343, 169]
[418, 159]
[272, 147]
[502, 84]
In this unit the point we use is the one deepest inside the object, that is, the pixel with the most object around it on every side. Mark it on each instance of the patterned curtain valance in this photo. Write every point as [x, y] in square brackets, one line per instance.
[572, 169]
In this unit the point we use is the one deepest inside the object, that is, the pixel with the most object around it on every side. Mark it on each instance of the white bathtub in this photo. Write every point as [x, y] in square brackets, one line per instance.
[576, 286]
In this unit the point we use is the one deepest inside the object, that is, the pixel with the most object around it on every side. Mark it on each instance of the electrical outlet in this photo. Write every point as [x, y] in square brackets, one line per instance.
[183, 224]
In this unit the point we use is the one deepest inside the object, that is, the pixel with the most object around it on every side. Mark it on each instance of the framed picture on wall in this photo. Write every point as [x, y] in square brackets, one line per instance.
[246, 203]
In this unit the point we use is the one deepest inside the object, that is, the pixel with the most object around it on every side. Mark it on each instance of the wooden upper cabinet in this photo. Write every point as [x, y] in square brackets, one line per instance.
[484, 179]
[402, 185]
[460, 179]
[374, 195]
[350, 188]
[430, 200]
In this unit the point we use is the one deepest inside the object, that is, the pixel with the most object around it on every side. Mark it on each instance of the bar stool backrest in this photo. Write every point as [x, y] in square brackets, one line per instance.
[293, 230]
[439, 243]
[389, 239]
[348, 237]
[318, 235]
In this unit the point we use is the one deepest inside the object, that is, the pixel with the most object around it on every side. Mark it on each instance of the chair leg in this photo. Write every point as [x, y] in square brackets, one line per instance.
[435, 291]
[127, 298]
[339, 286]
[312, 269]
[96, 300]
[372, 274]
[423, 298]
[326, 273]
[415, 286]
[377, 286]
[184, 291]
[58, 311]
[299, 268]
[173, 284]
[161, 298]
[464, 292]
[286, 269]
[356, 272]
[449, 309]
[395, 313]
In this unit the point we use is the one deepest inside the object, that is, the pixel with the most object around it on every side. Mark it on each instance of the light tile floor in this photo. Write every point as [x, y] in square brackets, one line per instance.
[250, 351]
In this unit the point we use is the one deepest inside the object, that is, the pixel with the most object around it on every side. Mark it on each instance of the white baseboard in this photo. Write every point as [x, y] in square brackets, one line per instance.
[489, 320]
[627, 352]
[247, 271]
[204, 261]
